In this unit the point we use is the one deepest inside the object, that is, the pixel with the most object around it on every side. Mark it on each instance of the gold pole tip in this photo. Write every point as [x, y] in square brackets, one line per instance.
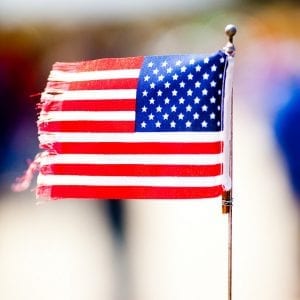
[230, 30]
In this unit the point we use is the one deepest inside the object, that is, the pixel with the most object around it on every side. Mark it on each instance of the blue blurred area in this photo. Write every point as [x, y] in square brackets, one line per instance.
[287, 133]
[18, 80]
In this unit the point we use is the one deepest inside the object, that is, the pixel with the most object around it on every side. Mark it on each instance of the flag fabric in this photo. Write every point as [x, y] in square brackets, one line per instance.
[135, 128]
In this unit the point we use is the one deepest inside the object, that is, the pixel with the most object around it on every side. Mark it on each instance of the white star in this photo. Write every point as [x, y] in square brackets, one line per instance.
[165, 116]
[173, 124]
[213, 84]
[174, 93]
[197, 100]
[180, 116]
[167, 100]
[158, 108]
[204, 124]
[175, 76]
[155, 71]
[161, 77]
[206, 60]
[145, 93]
[219, 107]
[159, 93]
[212, 116]
[196, 116]
[144, 108]
[157, 124]
[167, 85]
[205, 76]
[197, 84]
[143, 124]
[190, 76]
[150, 65]
[189, 92]
[188, 108]
[222, 59]
[181, 100]
[220, 75]
[151, 117]
[213, 68]
[169, 70]
[152, 85]
[188, 124]
[192, 61]
[204, 108]
[146, 78]
[219, 123]
[178, 62]
[164, 64]
[204, 92]
[198, 68]
[173, 108]
[183, 69]
[219, 92]
[212, 100]
[182, 84]
[151, 101]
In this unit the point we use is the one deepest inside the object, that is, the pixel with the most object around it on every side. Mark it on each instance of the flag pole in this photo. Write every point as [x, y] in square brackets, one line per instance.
[229, 48]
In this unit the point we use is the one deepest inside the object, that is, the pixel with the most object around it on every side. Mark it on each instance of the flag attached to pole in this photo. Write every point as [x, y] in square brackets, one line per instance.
[135, 128]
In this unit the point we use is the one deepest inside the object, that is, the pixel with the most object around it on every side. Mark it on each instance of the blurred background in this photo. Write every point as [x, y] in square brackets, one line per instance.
[150, 250]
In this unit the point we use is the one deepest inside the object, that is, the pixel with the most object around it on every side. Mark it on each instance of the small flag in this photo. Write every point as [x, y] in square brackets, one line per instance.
[135, 128]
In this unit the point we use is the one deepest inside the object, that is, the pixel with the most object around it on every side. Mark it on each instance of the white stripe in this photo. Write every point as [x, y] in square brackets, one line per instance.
[228, 124]
[155, 159]
[161, 181]
[179, 137]
[91, 95]
[93, 75]
[87, 116]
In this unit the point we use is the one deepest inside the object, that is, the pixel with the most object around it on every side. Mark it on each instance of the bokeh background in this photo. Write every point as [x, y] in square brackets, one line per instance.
[148, 250]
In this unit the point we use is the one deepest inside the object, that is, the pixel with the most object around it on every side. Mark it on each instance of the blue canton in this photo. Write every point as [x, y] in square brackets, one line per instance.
[181, 93]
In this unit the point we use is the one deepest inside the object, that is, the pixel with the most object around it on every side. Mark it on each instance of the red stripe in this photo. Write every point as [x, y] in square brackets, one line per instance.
[132, 192]
[131, 170]
[90, 105]
[101, 64]
[94, 84]
[87, 126]
[137, 148]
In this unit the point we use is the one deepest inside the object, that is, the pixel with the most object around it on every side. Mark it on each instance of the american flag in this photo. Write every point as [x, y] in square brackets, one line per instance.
[134, 128]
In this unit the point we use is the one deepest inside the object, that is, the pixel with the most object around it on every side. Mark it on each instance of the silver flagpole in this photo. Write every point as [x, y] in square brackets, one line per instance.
[229, 48]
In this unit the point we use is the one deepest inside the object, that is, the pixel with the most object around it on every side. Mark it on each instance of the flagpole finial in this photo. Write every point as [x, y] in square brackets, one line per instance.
[230, 31]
